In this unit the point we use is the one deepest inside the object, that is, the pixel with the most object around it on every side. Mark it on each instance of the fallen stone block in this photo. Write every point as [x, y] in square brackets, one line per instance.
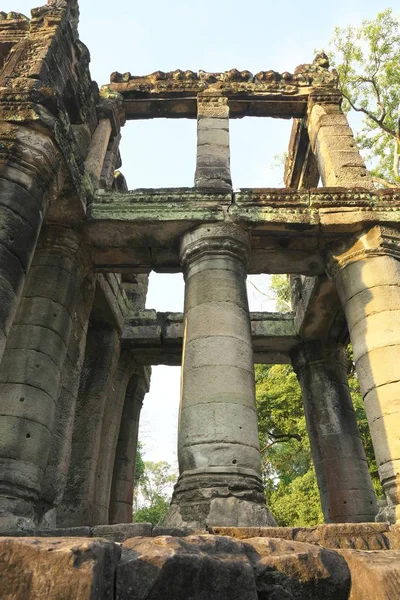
[57, 569]
[216, 567]
[374, 575]
[294, 570]
[203, 566]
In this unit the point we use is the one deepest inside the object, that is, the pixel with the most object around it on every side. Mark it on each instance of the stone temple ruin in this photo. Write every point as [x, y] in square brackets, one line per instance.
[77, 345]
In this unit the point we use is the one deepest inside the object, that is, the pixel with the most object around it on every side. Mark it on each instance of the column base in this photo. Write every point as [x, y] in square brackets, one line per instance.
[218, 499]
[16, 511]
[388, 513]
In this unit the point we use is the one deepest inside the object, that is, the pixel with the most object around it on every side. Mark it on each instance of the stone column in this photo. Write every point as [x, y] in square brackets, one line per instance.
[213, 158]
[60, 454]
[109, 437]
[79, 505]
[332, 141]
[121, 501]
[367, 275]
[30, 372]
[345, 486]
[218, 451]
[29, 168]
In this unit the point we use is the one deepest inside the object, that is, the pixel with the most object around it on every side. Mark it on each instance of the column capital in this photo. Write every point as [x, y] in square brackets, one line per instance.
[377, 241]
[216, 239]
[31, 159]
[212, 104]
[67, 241]
[317, 351]
[326, 97]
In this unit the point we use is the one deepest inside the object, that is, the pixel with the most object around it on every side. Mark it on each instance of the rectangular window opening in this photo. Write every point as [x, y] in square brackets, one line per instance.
[258, 149]
[159, 153]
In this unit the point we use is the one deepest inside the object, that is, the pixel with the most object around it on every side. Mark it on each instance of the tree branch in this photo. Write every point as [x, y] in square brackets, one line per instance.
[283, 437]
[370, 116]
[384, 182]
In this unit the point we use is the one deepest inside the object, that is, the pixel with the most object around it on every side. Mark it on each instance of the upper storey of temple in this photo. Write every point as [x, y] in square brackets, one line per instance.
[265, 94]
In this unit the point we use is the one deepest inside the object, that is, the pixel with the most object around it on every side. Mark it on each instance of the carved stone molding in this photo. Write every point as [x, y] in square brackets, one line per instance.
[316, 73]
[377, 241]
[216, 240]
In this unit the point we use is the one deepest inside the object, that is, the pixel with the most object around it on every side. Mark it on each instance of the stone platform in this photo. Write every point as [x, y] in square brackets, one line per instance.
[142, 562]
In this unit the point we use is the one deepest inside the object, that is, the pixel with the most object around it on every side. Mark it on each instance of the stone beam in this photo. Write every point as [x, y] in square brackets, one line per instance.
[156, 338]
[139, 231]
[318, 313]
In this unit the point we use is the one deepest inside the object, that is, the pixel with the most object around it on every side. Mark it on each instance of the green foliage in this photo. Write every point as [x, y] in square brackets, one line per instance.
[152, 514]
[153, 494]
[280, 286]
[298, 502]
[139, 465]
[291, 488]
[288, 473]
[289, 476]
[367, 59]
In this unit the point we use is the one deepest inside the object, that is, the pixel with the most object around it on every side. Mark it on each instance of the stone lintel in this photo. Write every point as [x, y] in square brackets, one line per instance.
[156, 338]
[140, 230]
[318, 312]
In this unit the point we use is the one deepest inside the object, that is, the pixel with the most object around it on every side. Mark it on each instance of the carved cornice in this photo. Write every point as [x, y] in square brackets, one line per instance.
[271, 93]
[315, 74]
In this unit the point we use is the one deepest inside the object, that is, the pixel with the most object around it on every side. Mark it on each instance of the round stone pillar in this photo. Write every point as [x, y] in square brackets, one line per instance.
[367, 276]
[30, 373]
[218, 451]
[121, 501]
[344, 482]
[29, 177]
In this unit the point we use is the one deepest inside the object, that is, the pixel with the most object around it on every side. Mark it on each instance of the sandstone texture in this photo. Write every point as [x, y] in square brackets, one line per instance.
[76, 345]
[200, 566]
[57, 568]
[215, 568]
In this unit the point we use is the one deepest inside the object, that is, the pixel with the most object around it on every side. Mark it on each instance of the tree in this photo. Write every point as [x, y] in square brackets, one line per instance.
[367, 59]
[153, 494]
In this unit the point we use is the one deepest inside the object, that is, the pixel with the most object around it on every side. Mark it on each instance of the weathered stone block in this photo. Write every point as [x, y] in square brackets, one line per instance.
[285, 569]
[360, 536]
[32, 568]
[373, 574]
[123, 531]
[213, 567]
[215, 136]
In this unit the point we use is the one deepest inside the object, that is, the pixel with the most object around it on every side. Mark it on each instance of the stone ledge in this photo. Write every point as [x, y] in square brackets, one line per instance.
[358, 536]
[216, 567]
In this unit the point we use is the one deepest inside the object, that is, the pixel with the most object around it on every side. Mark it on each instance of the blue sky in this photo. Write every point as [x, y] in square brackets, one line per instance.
[213, 35]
